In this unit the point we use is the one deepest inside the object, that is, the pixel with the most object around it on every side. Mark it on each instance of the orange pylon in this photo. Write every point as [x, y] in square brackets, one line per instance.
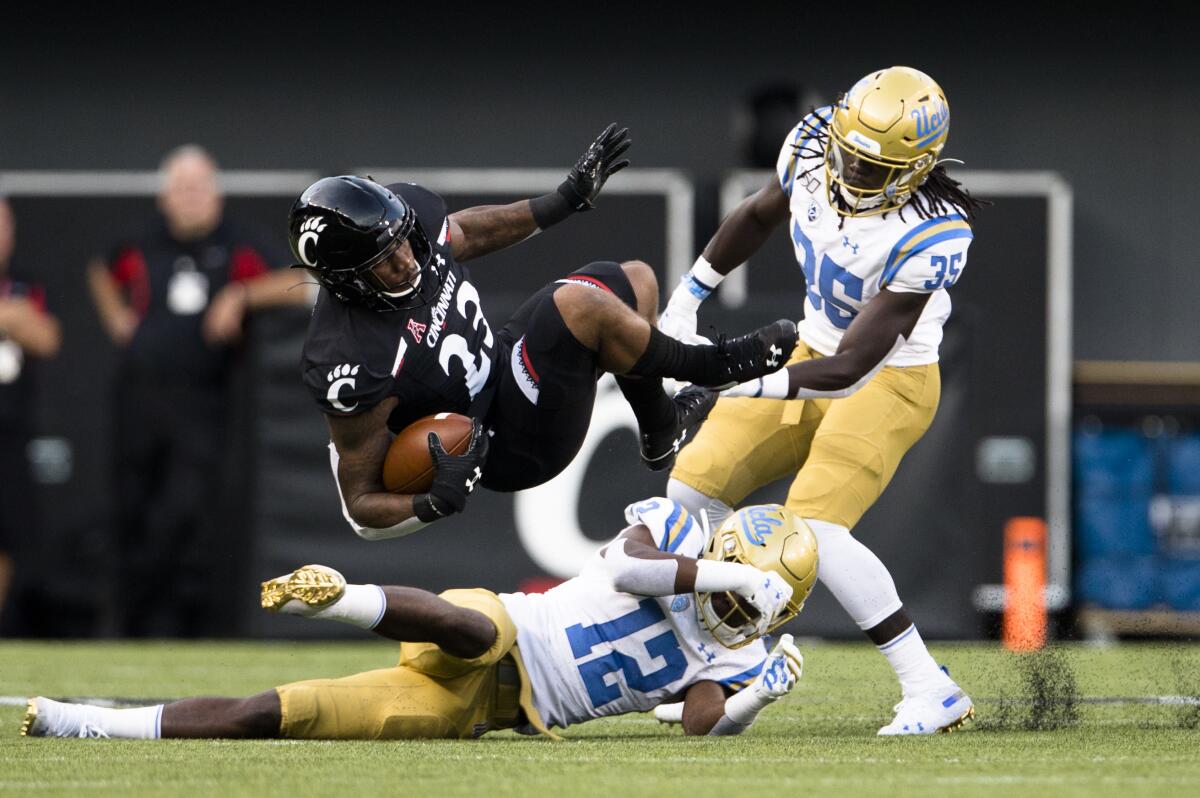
[1024, 626]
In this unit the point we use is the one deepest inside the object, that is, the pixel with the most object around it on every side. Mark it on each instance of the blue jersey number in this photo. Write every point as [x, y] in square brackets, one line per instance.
[594, 672]
[829, 285]
[947, 271]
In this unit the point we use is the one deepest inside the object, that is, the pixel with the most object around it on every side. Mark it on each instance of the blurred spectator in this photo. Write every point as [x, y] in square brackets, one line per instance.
[26, 330]
[174, 300]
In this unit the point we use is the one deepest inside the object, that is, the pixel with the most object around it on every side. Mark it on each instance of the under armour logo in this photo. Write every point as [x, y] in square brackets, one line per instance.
[706, 652]
[440, 260]
[471, 480]
[678, 442]
[773, 356]
[309, 230]
[846, 243]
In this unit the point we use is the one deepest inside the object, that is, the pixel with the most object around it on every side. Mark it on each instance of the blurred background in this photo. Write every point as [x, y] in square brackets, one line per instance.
[1071, 367]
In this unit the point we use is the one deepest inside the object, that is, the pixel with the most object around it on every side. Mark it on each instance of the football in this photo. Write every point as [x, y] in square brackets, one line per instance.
[408, 467]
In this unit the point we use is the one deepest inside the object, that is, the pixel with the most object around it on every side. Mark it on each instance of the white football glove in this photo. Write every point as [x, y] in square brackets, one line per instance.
[781, 671]
[678, 319]
[768, 594]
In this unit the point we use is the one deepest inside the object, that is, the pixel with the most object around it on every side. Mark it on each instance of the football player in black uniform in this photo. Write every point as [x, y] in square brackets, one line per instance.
[399, 332]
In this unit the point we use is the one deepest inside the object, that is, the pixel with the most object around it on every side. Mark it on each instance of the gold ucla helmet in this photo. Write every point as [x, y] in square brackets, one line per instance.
[886, 135]
[770, 538]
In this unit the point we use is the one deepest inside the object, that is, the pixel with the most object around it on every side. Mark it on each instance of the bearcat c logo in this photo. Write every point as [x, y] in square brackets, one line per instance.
[757, 523]
[339, 378]
[309, 231]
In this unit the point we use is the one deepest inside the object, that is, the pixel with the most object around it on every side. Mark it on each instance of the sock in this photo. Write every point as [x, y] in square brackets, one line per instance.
[668, 357]
[863, 586]
[652, 407]
[914, 667]
[85, 720]
[361, 605]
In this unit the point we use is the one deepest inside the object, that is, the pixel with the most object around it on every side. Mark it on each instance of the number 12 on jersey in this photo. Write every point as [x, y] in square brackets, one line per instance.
[595, 672]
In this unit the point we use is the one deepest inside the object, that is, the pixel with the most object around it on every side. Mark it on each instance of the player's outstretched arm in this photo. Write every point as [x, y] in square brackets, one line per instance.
[740, 235]
[874, 335]
[634, 563]
[489, 228]
[780, 673]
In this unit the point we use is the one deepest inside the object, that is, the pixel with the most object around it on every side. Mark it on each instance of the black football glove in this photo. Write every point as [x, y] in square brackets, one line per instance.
[597, 164]
[454, 476]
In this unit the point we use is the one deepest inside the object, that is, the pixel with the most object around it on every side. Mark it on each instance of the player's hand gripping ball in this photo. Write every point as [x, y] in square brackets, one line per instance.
[408, 467]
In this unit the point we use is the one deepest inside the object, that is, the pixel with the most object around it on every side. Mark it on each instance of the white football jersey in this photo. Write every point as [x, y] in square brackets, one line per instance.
[592, 651]
[847, 261]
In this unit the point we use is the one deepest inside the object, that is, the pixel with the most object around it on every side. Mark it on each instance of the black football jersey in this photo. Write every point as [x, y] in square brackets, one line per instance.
[435, 358]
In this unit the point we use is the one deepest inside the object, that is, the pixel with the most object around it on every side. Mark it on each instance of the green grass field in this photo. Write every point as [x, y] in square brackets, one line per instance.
[820, 741]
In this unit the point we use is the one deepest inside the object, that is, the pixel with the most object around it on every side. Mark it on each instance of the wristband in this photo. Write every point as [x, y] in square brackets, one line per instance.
[425, 508]
[743, 706]
[702, 279]
[550, 209]
[770, 386]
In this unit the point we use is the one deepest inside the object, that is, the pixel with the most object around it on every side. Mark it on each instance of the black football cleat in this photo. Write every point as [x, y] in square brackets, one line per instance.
[692, 406]
[755, 354]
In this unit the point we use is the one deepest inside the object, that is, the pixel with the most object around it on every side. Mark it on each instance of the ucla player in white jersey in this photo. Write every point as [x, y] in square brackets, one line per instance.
[663, 613]
[881, 233]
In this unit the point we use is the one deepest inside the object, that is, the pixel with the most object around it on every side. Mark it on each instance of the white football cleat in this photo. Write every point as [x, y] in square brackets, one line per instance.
[941, 710]
[47, 718]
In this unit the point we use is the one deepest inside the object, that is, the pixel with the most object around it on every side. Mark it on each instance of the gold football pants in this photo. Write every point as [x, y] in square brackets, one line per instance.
[429, 694]
[843, 452]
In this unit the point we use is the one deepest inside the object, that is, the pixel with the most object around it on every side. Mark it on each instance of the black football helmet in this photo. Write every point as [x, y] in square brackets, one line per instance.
[342, 227]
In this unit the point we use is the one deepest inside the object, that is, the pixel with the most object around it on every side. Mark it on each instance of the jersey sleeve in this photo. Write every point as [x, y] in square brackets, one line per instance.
[929, 257]
[430, 208]
[801, 143]
[673, 528]
[345, 389]
[737, 668]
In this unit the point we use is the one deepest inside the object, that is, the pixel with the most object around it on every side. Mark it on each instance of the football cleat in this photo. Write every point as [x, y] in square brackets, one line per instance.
[755, 354]
[34, 723]
[933, 712]
[303, 591]
[47, 718]
[692, 406]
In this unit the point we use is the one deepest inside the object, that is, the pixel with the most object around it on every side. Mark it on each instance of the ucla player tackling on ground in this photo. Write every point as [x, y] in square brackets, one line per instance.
[881, 233]
[663, 613]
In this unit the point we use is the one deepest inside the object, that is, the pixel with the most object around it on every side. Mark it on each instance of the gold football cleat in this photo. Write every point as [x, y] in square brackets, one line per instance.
[950, 728]
[29, 726]
[313, 585]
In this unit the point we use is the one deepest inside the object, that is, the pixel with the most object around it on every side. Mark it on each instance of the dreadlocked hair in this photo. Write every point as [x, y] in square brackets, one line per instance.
[940, 194]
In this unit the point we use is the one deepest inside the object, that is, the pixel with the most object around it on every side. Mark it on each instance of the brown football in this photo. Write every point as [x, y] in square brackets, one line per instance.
[408, 467]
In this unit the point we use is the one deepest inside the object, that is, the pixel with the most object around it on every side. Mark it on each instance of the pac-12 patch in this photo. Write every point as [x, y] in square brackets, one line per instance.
[680, 603]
